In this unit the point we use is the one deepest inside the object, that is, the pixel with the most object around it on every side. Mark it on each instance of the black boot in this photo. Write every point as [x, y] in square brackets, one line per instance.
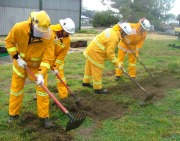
[12, 119]
[117, 78]
[46, 122]
[35, 97]
[101, 91]
[87, 85]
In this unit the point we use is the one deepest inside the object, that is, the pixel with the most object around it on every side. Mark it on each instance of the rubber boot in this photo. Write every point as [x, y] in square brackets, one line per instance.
[46, 122]
[117, 78]
[101, 91]
[12, 119]
[35, 97]
[87, 85]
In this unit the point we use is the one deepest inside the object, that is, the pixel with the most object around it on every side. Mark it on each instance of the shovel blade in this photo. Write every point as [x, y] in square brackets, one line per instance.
[149, 97]
[75, 122]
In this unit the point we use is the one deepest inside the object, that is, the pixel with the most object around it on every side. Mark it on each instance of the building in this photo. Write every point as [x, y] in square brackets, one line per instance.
[84, 19]
[13, 11]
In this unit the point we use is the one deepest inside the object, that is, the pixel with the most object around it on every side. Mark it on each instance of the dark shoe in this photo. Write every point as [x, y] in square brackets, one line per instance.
[117, 78]
[35, 97]
[47, 124]
[87, 85]
[12, 119]
[101, 91]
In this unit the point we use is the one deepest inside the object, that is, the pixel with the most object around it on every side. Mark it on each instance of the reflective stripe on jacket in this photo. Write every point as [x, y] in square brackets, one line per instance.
[61, 48]
[37, 54]
[103, 47]
[134, 41]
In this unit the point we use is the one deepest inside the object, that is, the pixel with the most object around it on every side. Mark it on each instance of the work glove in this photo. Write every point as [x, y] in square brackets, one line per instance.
[119, 66]
[55, 71]
[40, 79]
[21, 62]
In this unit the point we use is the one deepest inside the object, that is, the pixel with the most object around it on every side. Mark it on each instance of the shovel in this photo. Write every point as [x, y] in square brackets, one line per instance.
[77, 99]
[74, 122]
[148, 96]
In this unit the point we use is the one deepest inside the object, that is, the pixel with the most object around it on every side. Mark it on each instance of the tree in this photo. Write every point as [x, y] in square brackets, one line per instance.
[133, 10]
[178, 18]
[104, 19]
[87, 13]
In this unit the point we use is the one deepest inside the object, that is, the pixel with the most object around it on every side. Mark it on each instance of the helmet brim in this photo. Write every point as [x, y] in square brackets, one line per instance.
[144, 26]
[62, 24]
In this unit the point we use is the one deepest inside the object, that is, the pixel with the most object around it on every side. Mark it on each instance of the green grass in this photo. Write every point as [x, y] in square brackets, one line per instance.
[88, 31]
[159, 121]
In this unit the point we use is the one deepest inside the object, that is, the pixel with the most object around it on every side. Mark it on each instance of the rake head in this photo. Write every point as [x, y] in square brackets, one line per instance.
[78, 102]
[149, 97]
[75, 122]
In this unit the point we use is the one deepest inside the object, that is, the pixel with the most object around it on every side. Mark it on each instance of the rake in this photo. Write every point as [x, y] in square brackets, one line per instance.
[148, 96]
[74, 122]
[77, 99]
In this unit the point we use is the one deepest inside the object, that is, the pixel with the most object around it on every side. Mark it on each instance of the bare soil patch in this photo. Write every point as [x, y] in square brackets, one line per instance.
[101, 107]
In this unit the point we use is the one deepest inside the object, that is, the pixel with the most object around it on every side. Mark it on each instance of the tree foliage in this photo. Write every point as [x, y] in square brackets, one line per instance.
[178, 18]
[104, 19]
[87, 13]
[133, 10]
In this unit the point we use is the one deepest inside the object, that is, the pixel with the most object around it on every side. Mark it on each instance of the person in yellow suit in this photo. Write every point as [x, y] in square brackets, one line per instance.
[62, 42]
[102, 47]
[131, 45]
[30, 43]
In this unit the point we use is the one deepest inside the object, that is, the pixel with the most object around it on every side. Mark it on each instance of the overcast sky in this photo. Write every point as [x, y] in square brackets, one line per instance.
[96, 5]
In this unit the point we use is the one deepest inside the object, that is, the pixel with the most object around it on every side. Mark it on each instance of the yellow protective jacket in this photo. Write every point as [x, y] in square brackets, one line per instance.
[134, 41]
[36, 54]
[61, 47]
[102, 47]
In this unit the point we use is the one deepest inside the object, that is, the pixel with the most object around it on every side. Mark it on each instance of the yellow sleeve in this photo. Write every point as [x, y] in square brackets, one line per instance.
[59, 62]
[140, 44]
[111, 46]
[47, 58]
[10, 41]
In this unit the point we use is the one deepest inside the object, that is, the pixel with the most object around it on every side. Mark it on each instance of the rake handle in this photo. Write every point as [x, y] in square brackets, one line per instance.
[49, 93]
[135, 82]
[145, 68]
[142, 64]
[65, 86]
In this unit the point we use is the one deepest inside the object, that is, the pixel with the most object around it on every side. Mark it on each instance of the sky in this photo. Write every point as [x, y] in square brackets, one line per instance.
[96, 5]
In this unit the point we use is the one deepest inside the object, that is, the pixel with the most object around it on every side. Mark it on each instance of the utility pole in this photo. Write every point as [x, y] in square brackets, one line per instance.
[80, 14]
[40, 5]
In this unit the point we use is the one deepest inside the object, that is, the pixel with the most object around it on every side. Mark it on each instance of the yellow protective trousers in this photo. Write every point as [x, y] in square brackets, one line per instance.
[63, 93]
[94, 73]
[17, 93]
[131, 65]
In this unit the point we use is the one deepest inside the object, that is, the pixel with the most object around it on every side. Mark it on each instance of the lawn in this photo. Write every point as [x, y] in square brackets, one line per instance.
[118, 116]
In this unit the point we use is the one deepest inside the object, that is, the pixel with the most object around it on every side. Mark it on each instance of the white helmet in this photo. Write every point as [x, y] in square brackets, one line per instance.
[145, 24]
[126, 28]
[68, 25]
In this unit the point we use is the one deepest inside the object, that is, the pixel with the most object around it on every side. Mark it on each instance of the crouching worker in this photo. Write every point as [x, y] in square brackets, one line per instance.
[102, 47]
[132, 46]
[30, 43]
[62, 42]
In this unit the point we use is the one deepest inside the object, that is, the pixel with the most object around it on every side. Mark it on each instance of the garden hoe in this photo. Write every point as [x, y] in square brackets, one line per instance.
[143, 65]
[77, 99]
[74, 122]
[148, 97]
